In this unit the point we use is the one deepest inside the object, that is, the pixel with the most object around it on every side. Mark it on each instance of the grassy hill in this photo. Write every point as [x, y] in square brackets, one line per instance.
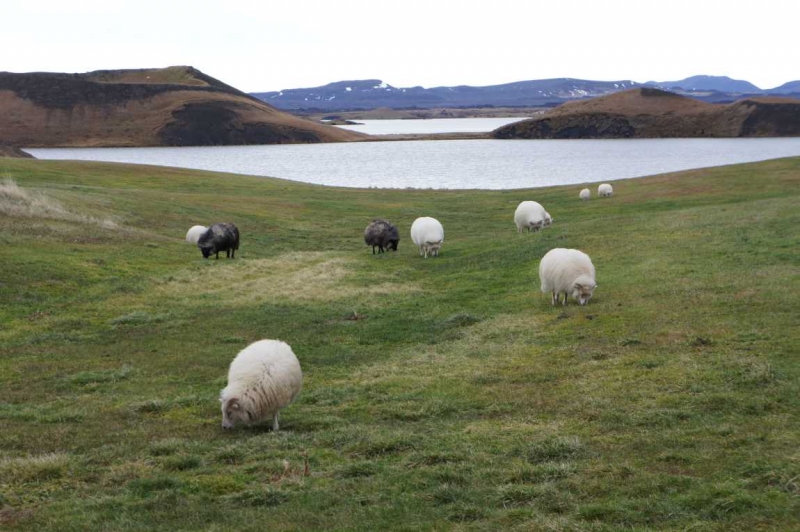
[653, 113]
[175, 106]
[440, 393]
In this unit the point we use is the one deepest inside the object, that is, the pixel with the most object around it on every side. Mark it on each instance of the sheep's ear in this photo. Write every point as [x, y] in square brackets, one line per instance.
[578, 286]
[233, 402]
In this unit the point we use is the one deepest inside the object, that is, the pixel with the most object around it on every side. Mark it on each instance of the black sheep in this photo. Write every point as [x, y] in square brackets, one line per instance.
[381, 234]
[219, 237]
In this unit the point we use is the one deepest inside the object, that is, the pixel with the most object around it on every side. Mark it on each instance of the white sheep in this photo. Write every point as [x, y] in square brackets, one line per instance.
[531, 215]
[193, 234]
[586, 194]
[569, 271]
[428, 234]
[264, 378]
[605, 190]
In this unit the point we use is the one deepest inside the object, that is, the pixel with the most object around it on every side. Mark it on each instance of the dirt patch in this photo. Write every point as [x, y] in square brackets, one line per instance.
[299, 276]
[9, 516]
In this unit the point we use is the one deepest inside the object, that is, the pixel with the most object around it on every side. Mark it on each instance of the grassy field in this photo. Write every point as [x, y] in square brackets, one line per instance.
[439, 394]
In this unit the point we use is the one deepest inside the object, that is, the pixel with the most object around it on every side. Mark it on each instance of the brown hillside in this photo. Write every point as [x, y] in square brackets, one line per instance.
[653, 113]
[13, 151]
[176, 106]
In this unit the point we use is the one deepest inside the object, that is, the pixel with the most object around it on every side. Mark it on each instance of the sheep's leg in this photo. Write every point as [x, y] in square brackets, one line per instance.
[373, 250]
[565, 300]
[217, 255]
[275, 422]
[553, 299]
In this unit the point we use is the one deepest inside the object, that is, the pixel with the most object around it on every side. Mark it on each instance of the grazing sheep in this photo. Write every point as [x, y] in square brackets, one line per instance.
[531, 215]
[569, 271]
[264, 378]
[605, 190]
[585, 194]
[193, 234]
[428, 234]
[219, 237]
[381, 234]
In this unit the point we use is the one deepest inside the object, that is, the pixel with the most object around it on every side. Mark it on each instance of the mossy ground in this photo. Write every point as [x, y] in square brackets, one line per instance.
[439, 394]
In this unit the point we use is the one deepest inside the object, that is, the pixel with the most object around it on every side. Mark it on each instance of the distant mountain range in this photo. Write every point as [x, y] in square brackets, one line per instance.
[374, 93]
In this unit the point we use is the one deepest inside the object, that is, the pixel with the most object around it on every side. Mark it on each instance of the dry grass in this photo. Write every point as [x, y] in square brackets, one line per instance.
[17, 202]
[296, 276]
[34, 468]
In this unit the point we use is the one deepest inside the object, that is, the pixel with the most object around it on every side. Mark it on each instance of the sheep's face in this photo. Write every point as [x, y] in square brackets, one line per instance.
[535, 226]
[233, 413]
[207, 251]
[583, 292]
[392, 245]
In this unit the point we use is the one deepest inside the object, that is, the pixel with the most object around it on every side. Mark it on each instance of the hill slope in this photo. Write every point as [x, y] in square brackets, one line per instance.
[176, 106]
[440, 394]
[653, 113]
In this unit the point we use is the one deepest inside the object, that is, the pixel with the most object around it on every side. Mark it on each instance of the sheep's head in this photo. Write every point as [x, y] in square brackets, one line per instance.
[207, 250]
[393, 244]
[582, 291]
[233, 412]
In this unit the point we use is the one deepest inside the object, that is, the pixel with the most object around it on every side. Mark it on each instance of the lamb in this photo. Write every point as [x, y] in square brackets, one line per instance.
[585, 194]
[219, 237]
[193, 234]
[381, 234]
[428, 234]
[263, 379]
[531, 215]
[605, 190]
[569, 271]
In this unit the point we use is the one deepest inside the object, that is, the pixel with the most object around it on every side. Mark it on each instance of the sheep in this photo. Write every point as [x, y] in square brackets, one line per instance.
[605, 190]
[428, 234]
[569, 271]
[531, 215]
[193, 234]
[586, 194]
[219, 237]
[263, 379]
[381, 234]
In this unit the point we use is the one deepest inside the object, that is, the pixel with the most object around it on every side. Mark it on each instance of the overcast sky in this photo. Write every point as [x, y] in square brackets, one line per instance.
[271, 45]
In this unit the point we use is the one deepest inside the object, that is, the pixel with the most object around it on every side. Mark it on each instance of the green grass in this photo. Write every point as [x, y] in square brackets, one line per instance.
[439, 394]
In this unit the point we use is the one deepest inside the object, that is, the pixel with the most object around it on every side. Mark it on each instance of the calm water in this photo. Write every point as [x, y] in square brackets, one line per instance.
[490, 164]
[432, 125]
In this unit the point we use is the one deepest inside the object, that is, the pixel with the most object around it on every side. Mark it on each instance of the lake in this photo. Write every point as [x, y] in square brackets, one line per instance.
[482, 163]
[431, 125]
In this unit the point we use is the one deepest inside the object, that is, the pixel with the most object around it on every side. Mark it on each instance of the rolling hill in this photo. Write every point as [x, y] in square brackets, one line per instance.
[653, 113]
[176, 106]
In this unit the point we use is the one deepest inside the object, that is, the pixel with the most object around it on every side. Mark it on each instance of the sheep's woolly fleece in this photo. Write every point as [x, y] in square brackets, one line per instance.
[296, 276]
